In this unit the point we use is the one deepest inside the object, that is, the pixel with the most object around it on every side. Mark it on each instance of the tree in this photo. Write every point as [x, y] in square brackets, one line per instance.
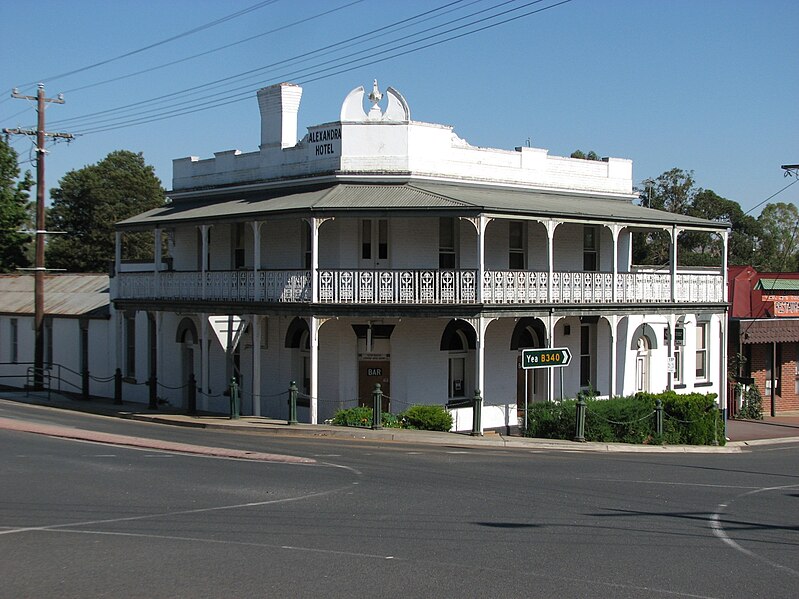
[744, 233]
[580, 154]
[90, 200]
[778, 251]
[14, 211]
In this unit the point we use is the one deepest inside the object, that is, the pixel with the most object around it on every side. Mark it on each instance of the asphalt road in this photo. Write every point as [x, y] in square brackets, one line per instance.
[81, 519]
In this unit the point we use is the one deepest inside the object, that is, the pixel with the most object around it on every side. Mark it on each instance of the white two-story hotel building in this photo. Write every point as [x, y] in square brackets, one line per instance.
[378, 249]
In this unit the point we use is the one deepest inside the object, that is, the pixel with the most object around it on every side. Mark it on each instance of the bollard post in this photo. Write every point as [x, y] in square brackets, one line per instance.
[153, 384]
[118, 386]
[579, 433]
[292, 403]
[85, 383]
[234, 399]
[659, 417]
[192, 395]
[477, 415]
[377, 406]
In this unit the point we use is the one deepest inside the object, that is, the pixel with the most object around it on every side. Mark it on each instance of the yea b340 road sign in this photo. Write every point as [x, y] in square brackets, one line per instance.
[548, 357]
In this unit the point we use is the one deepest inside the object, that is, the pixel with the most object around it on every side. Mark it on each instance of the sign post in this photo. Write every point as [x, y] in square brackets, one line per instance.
[550, 357]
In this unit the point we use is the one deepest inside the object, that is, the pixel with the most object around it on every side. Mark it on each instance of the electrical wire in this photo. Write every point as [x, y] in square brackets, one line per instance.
[400, 25]
[173, 38]
[322, 73]
[213, 50]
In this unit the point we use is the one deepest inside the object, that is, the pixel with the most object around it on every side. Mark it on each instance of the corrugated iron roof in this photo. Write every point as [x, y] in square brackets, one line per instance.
[770, 330]
[344, 197]
[780, 284]
[64, 295]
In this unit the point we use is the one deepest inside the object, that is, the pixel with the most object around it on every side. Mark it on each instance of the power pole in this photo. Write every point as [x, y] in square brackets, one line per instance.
[38, 286]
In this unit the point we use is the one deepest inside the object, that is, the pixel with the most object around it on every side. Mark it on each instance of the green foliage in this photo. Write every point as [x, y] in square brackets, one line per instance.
[428, 418]
[752, 405]
[582, 155]
[688, 419]
[15, 212]
[87, 204]
[778, 247]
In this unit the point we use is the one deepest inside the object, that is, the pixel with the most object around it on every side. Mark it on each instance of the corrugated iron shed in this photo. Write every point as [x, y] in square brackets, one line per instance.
[64, 295]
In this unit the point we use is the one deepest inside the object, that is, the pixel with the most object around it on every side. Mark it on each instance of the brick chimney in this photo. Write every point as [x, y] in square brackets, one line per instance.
[279, 104]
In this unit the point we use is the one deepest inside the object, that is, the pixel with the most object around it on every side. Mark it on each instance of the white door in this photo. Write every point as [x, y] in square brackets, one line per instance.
[374, 243]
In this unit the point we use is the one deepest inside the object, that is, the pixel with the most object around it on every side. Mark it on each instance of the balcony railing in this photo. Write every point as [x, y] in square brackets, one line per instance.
[416, 287]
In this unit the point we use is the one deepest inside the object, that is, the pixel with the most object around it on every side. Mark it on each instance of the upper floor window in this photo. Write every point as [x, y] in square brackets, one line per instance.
[238, 245]
[590, 249]
[447, 258]
[516, 239]
[307, 242]
[374, 240]
[701, 351]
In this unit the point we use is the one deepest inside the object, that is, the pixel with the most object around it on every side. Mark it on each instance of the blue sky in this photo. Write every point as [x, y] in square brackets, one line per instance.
[704, 85]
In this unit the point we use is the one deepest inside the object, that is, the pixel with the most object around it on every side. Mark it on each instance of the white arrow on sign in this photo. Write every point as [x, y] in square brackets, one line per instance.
[228, 329]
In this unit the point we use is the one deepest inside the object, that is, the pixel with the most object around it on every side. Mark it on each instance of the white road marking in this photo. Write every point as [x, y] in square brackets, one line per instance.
[718, 529]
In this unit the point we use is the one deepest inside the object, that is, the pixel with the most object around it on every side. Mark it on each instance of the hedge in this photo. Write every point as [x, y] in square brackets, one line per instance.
[428, 418]
[690, 419]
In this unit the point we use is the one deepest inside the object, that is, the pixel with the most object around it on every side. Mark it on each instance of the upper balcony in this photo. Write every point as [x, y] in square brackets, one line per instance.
[410, 287]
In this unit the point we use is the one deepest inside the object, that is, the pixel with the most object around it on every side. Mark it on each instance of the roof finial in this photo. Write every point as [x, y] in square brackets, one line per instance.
[375, 113]
[375, 96]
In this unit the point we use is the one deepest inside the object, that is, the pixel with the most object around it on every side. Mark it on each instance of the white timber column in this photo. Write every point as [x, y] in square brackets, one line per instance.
[551, 225]
[314, 343]
[204, 258]
[675, 232]
[204, 375]
[315, 223]
[256, 260]
[615, 230]
[723, 367]
[550, 342]
[725, 240]
[613, 321]
[482, 223]
[255, 323]
[157, 261]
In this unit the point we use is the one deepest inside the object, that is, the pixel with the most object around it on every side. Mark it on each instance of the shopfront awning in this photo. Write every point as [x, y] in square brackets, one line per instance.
[770, 330]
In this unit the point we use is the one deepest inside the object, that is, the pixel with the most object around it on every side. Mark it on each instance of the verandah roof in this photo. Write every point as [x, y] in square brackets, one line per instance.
[410, 199]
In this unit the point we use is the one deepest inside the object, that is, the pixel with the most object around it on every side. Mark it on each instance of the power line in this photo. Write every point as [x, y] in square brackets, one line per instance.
[213, 50]
[192, 31]
[397, 26]
[314, 75]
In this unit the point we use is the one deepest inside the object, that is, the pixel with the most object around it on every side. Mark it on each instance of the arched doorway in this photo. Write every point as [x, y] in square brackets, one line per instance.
[186, 336]
[644, 341]
[459, 340]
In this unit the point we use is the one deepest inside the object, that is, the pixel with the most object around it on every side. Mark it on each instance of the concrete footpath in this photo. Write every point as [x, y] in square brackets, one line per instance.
[741, 433]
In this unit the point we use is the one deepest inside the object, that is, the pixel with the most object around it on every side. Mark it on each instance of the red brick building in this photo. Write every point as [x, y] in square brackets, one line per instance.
[764, 334]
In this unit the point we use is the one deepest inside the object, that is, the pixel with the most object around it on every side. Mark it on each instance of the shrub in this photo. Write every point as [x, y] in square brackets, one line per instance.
[360, 416]
[752, 405]
[687, 419]
[428, 418]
